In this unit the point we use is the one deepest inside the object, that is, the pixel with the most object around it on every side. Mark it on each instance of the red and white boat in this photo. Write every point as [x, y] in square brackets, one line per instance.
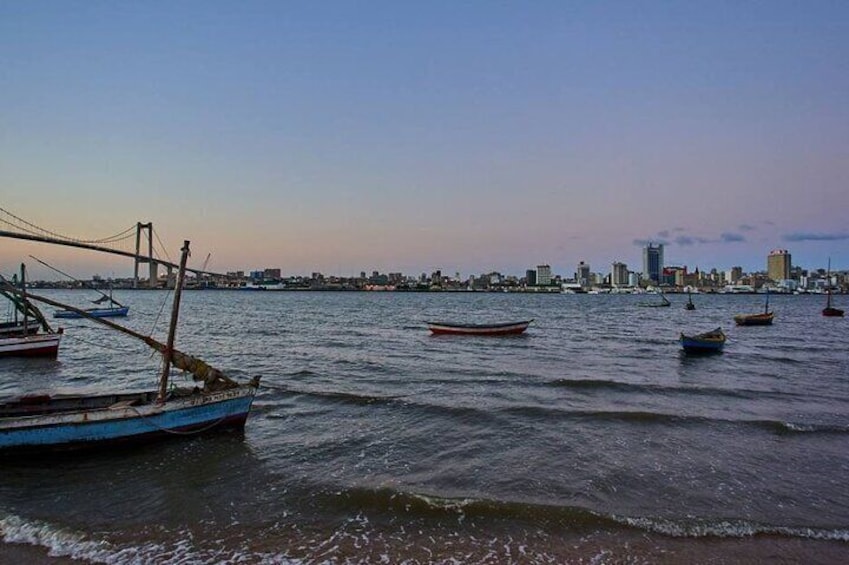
[504, 328]
[23, 337]
[36, 345]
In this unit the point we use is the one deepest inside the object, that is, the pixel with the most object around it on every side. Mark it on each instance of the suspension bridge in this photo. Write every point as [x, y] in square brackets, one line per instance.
[136, 242]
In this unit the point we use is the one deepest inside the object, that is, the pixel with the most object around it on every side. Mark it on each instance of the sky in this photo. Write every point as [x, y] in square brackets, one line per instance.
[475, 136]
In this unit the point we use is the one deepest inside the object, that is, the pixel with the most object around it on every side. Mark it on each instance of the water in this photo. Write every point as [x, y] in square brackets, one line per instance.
[589, 439]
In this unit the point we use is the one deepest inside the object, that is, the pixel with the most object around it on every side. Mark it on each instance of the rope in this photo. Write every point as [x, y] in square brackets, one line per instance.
[176, 432]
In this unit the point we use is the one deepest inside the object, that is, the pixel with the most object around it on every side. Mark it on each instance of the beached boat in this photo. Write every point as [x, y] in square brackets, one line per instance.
[35, 424]
[505, 328]
[763, 319]
[28, 335]
[707, 342]
[829, 310]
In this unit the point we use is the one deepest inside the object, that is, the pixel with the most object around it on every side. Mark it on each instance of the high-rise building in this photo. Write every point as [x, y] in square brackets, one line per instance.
[619, 274]
[582, 275]
[653, 262]
[531, 277]
[778, 265]
[543, 275]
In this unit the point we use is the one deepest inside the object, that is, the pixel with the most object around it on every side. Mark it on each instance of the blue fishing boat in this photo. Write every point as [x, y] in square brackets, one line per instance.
[108, 312]
[38, 423]
[708, 342]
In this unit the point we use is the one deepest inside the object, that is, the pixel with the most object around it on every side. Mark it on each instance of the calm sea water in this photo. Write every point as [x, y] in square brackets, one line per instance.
[589, 439]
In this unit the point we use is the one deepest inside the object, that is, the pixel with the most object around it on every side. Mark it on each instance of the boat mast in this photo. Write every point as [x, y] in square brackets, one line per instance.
[24, 298]
[175, 310]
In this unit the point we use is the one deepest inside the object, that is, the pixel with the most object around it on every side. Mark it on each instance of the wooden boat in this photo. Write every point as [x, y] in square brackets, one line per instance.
[829, 310]
[22, 337]
[37, 424]
[764, 319]
[108, 312]
[18, 328]
[664, 302]
[708, 342]
[505, 328]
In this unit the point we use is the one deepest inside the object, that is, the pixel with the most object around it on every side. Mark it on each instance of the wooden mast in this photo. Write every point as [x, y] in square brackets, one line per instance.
[24, 299]
[172, 329]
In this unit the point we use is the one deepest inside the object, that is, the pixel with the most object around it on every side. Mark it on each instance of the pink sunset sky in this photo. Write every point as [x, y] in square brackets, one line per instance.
[396, 136]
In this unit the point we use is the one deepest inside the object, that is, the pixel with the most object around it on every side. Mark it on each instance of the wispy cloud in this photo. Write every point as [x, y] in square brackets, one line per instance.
[807, 236]
[690, 240]
[644, 242]
[663, 233]
[729, 237]
[746, 227]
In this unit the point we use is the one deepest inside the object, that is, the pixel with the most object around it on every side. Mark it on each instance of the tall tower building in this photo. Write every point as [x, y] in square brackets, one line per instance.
[653, 261]
[619, 274]
[778, 265]
[582, 275]
[543, 275]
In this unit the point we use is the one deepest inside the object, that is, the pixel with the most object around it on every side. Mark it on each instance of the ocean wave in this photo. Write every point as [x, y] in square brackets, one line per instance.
[63, 542]
[571, 517]
[728, 529]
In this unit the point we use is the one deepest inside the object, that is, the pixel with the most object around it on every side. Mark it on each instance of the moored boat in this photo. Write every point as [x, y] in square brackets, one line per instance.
[109, 312]
[764, 319]
[829, 310]
[707, 342]
[504, 328]
[31, 335]
[37, 424]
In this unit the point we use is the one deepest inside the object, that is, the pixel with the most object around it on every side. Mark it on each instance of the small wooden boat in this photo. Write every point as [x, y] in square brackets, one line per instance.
[18, 328]
[764, 319]
[829, 310]
[708, 342]
[505, 328]
[32, 345]
[41, 424]
[664, 302]
[24, 337]
[109, 312]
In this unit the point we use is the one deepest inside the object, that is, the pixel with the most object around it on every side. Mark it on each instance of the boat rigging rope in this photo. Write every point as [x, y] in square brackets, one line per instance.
[177, 432]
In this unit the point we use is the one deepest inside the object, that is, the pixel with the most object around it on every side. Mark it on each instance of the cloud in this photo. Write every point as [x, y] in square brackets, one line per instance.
[728, 237]
[644, 242]
[663, 233]
[806, 236]
[690, 240]
[746, 227]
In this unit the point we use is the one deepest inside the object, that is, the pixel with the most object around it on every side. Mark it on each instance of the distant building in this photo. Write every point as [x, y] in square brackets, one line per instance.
[778, 265]
[736, 274]
[583, 276]
[619, 274]
[653, 262]
[543, 275]
[271, 274]
[530, 277]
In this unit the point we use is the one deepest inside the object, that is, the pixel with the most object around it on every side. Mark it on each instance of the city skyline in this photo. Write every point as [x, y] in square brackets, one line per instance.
[340, 138]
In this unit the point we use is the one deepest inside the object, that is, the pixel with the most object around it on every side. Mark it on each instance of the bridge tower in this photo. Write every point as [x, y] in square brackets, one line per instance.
[154, 271]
